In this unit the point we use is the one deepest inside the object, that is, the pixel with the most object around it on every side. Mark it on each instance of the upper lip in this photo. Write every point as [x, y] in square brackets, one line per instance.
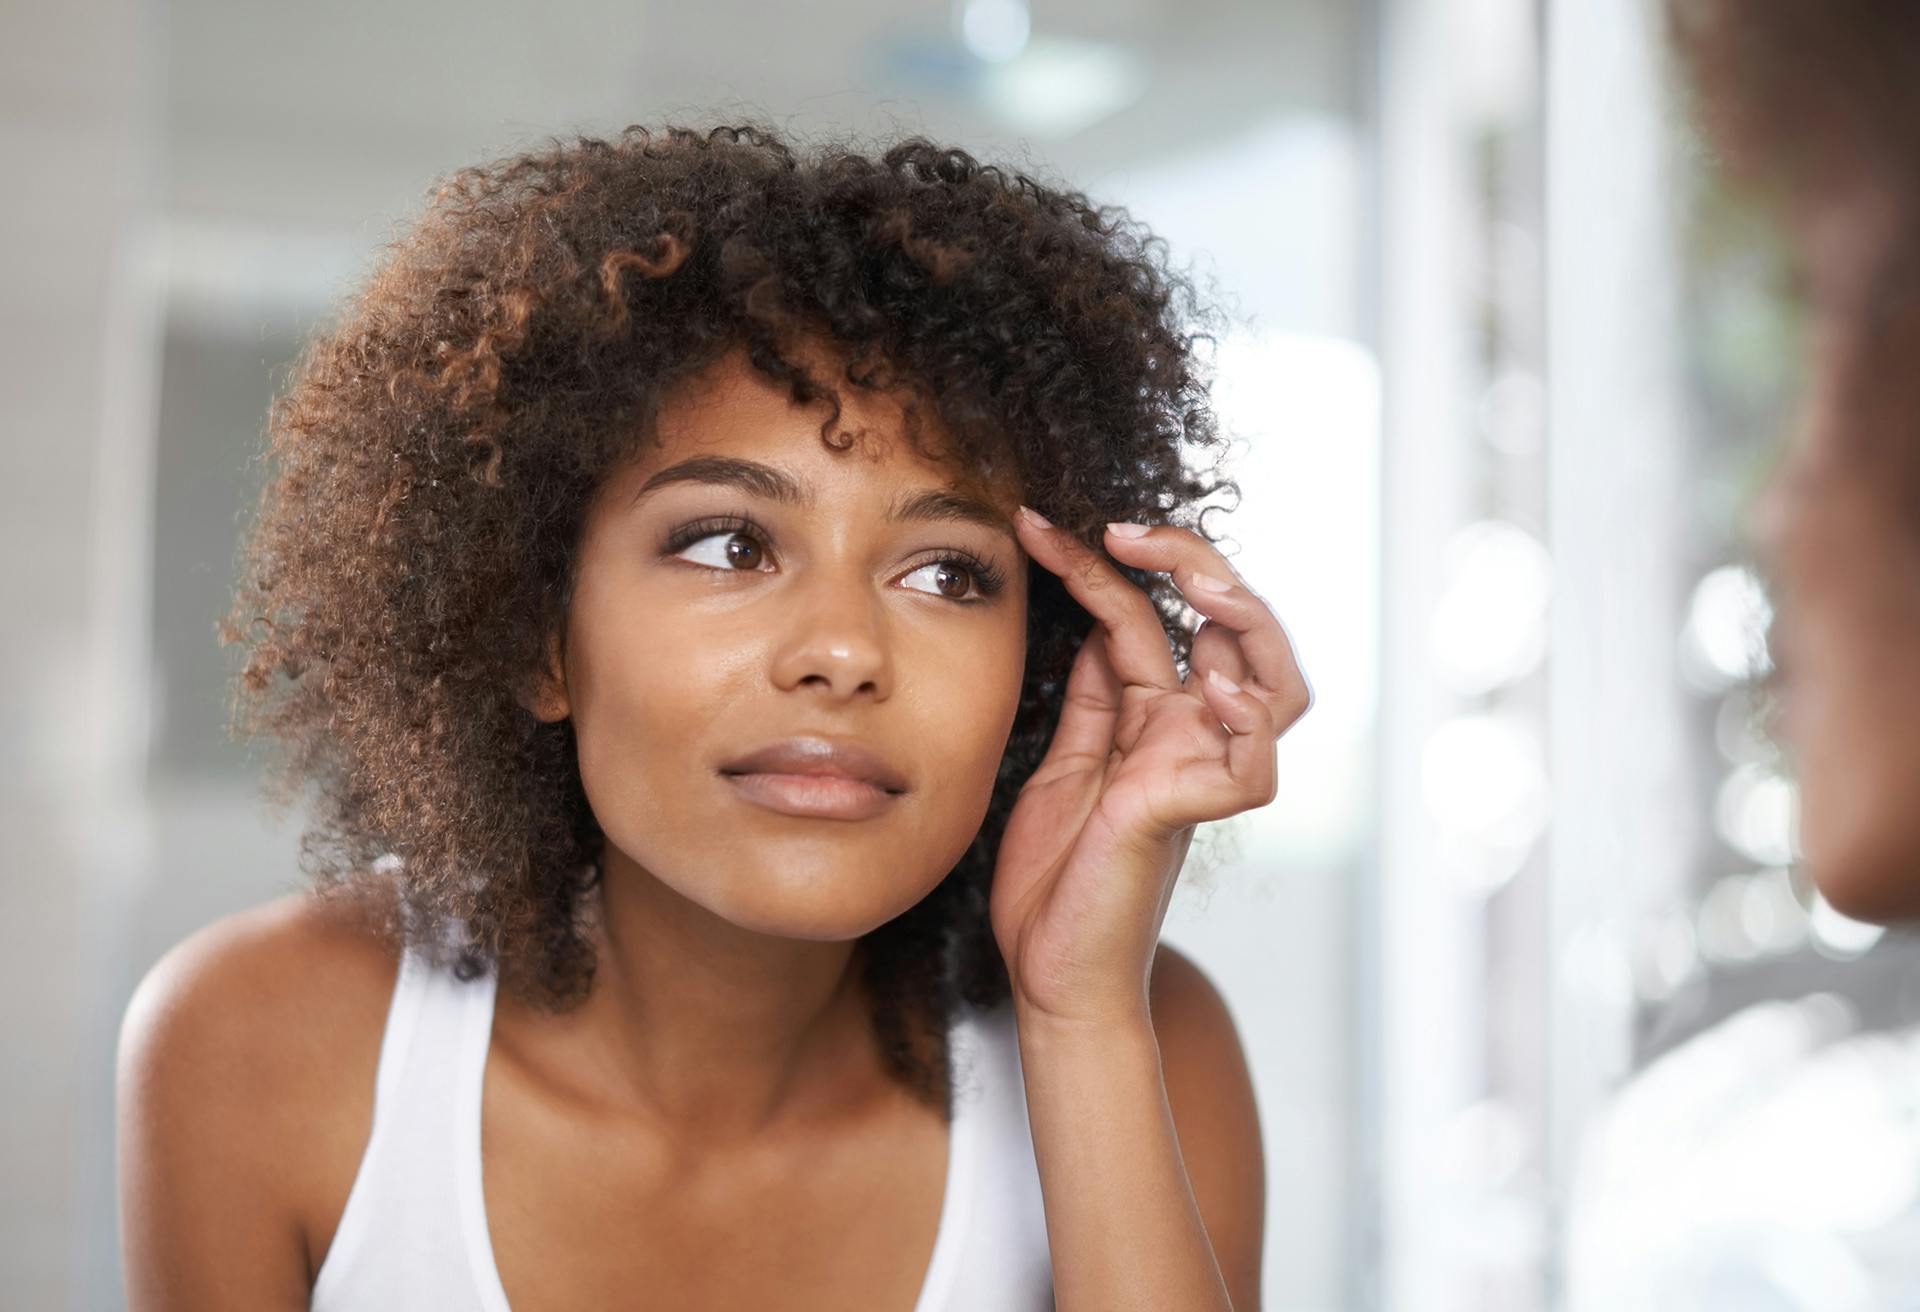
[819, 756]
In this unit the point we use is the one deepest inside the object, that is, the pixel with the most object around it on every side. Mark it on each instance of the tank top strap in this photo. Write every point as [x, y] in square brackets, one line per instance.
[409, 1222]
[963, 1150]
[467, 1064]
[996, 1250]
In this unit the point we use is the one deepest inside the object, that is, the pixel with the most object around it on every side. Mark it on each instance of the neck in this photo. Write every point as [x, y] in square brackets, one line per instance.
[717, 1031]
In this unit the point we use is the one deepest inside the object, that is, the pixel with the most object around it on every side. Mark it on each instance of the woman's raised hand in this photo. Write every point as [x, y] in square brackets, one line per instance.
[1090, 855]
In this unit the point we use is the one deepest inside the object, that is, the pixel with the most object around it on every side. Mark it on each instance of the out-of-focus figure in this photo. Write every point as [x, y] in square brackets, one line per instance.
[1821, 103]
[1770, 1161]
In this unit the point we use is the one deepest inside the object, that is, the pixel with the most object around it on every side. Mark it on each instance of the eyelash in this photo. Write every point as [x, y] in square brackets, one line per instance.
[987, 577]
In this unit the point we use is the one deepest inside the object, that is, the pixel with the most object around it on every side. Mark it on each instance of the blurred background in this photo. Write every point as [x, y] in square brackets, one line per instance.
[1541, 1012]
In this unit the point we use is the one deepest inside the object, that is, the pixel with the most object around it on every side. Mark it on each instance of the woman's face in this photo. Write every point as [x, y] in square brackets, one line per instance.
[1838, 534]
[711, 619]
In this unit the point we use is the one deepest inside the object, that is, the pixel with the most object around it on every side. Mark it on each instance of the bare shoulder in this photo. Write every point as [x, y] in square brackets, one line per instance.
[260, 995]
[1210, 1092]
[244, 1098]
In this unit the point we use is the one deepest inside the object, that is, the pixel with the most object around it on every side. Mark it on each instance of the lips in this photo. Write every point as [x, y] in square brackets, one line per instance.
[818, 797]
[820, 757]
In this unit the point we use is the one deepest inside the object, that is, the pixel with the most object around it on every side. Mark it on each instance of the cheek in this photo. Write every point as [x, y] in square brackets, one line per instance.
[644, 693]
[968, 708]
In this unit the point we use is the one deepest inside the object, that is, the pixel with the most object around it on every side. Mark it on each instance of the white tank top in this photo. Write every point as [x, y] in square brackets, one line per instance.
[414, 1231]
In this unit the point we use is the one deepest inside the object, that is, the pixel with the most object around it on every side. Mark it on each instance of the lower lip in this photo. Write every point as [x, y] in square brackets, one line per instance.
[828, 797]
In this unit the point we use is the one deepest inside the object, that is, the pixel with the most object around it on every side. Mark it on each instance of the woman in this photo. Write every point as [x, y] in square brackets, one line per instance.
[745, 827]
[1824, 99]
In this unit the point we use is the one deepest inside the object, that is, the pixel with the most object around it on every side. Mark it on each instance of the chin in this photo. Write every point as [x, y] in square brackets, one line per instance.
[1859, 781]
[823, 910]
[1868, 875]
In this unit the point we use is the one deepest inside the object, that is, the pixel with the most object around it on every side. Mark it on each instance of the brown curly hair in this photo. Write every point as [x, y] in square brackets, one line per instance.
[434, 452]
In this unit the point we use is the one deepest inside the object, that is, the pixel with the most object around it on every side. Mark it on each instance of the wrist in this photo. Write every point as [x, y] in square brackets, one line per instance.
[1094, 1025]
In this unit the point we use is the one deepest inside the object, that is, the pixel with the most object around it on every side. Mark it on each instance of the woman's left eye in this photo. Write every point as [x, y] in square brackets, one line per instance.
[954, 568]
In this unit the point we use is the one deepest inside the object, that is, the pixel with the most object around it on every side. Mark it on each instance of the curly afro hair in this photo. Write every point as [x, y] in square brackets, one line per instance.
[433, 454]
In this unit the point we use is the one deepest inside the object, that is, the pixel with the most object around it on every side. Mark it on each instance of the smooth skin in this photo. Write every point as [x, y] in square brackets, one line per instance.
[1837, 533]
[713, 1124]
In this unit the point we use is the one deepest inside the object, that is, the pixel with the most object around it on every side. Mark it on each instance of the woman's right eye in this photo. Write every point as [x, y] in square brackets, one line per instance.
[737, 548]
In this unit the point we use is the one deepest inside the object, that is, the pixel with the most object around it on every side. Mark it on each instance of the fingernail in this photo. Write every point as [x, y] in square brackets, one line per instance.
[1128, 530]
[1036, 517]
[1208, 583]
[1223, 681]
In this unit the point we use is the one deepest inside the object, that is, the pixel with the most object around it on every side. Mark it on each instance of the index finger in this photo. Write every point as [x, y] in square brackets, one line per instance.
[1264, 641]
[1137, 646]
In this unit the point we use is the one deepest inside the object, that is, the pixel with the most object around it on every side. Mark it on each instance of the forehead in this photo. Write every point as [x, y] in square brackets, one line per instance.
[731, 417]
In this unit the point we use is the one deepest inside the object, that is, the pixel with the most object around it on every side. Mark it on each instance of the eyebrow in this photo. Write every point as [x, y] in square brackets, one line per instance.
[929, 505]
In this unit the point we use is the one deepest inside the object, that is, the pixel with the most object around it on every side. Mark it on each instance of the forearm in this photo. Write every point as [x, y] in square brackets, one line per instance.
[1122, 1224]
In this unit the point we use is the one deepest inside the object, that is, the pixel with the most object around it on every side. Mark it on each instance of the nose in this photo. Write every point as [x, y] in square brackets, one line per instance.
[1769, 519]
[1767, 533]
[836, 640]
[1761, 533]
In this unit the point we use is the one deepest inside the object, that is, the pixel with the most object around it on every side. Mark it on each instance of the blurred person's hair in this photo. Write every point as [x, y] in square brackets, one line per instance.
[1818, 105]
[1821, 95]
[435, 452]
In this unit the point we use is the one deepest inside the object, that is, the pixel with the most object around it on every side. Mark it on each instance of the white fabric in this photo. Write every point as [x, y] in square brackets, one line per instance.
[414, 1232]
